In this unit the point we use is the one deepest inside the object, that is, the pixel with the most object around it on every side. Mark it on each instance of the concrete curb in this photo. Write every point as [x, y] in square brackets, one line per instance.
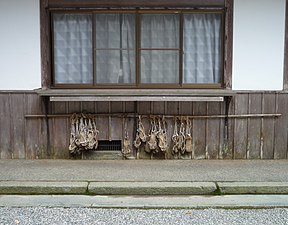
[29, 187]
[253, 187]
[141, 188]
[152, 188]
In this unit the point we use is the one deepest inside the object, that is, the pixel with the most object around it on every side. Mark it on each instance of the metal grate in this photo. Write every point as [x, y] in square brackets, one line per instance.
[106, 145]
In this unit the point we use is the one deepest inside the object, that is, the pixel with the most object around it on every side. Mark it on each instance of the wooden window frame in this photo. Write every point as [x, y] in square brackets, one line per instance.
[47, 6]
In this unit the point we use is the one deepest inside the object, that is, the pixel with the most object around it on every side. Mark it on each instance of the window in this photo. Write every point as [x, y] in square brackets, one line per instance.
[138, 49]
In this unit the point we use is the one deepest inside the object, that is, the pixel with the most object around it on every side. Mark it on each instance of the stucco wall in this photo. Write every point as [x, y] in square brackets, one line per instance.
[259, 28]
[20, 45]
[258, 44]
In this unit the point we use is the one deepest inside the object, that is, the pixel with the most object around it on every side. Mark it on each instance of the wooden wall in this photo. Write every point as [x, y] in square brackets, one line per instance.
[23, 137]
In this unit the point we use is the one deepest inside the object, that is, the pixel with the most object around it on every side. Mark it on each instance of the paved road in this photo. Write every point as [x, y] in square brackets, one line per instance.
[135, 216]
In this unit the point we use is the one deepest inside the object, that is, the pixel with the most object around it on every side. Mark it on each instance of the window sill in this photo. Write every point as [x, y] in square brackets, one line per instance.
[136, 94]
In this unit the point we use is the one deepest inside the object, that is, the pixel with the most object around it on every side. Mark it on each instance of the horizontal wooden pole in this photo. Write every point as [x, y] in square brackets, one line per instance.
[166, 116]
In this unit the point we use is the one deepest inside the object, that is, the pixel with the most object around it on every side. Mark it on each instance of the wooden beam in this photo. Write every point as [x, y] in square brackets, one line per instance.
[133, 3]
[228, 48]
[45, 47]
[135, 98]
[136, 92]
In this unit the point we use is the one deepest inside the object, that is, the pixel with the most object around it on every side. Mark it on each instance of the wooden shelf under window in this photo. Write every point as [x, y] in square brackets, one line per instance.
[135, 94]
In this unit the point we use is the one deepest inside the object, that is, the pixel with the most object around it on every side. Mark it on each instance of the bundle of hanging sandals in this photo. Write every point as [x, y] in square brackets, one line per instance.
[84, 135]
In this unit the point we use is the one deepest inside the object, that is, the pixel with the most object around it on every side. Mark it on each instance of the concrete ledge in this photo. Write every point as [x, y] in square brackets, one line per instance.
[152, 188]
[253, 187]
[28, 187]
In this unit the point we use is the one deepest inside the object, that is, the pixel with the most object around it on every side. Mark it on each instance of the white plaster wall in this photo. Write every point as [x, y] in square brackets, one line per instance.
[19, 45]
[258, 53]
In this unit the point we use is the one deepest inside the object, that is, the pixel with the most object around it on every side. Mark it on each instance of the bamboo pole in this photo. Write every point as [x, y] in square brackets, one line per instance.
[132, 115]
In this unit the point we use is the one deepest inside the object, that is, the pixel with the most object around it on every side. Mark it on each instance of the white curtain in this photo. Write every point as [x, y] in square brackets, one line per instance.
[73, 60]
[115, 48]
[159, 31]
[202, 48]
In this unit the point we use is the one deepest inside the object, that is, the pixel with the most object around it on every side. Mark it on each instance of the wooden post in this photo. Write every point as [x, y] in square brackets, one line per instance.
[228, 48]
[44, 36]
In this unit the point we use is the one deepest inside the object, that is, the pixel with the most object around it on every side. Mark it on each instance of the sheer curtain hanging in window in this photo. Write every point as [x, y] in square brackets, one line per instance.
[159, 44]
[115, 48]
[202, 61]
[73, 61]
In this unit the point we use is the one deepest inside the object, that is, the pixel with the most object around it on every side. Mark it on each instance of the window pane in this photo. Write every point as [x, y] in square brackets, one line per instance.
[73, 61]
[159, 66]
[202, 48]
[115, 66]
[115, 31]
[159, 31]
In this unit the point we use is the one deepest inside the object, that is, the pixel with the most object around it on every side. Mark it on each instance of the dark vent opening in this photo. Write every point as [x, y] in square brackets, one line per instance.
[106, 145]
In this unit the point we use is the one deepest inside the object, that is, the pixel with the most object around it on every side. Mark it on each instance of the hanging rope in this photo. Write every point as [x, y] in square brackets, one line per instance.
[140, 134]
[188, 136]
[162, 135]
[126, 149]
[152, 143]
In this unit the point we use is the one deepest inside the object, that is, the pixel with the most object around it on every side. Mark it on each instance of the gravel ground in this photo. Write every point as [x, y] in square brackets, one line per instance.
[134, 216]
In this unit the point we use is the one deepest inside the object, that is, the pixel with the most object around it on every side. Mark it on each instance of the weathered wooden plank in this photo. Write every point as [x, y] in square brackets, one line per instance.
[281, 128]
[102, 107]
[158, 108]
[88, 107]
[59, 107]
[199, 131]
[74, 107]
[144, 108]
[102, 124]
[213, 131]
[267, 131]
[240, 129]
[172, 108]
[5, 134]
[43, 144]
[49, 151]
[130, 106]
[60, 138]
[117, 107]
[18, 125]
[186, 108]
[227, 139]
[254, 127]
[33, 127]
[116, 128]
